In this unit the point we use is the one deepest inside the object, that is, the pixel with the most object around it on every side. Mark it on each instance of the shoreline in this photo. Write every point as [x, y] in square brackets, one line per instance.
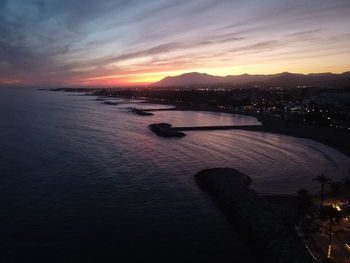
[336, 139]
[339, 140]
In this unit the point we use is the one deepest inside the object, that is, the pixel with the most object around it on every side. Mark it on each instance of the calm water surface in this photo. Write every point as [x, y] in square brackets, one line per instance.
[82, 181]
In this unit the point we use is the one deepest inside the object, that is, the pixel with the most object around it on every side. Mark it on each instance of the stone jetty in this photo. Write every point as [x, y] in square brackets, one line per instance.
[268, 234]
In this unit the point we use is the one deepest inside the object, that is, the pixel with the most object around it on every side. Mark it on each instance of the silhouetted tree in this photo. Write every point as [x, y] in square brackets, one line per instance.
[322, 180]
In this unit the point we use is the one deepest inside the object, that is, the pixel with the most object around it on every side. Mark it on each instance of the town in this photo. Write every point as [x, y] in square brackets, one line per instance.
[316, 106]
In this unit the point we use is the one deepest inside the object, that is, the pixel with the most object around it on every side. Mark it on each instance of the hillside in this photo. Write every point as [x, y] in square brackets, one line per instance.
[281, 79]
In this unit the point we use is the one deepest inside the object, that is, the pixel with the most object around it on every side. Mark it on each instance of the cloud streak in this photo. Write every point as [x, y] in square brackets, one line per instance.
[75, 42]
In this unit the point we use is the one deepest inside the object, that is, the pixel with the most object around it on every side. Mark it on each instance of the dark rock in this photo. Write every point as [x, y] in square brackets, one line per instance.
[141, 112]
[165, 130]
[110, 103]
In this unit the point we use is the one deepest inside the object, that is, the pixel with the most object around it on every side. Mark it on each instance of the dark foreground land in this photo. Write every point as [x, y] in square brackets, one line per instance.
[271, 235]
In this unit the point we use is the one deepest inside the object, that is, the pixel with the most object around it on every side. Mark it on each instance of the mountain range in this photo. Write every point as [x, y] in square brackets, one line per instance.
[284, 79]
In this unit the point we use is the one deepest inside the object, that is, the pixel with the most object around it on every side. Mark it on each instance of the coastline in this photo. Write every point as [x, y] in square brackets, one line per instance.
[336, 139]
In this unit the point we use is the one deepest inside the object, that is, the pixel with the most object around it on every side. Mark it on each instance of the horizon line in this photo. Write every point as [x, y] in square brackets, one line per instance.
[147, 84]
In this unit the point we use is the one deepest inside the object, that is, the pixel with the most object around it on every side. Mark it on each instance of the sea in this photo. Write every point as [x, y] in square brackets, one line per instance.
[83, 181]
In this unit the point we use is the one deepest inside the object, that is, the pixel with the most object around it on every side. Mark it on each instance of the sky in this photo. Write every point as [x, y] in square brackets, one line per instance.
[136, 42]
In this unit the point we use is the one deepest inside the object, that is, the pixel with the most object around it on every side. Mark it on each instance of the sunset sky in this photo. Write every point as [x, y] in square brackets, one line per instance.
[127, 42]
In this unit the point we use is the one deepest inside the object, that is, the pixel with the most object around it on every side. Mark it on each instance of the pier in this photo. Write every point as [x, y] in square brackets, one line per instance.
[225, 127]
[166, 129]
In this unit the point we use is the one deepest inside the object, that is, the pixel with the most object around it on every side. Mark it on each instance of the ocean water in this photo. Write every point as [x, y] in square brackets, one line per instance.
[81, 181]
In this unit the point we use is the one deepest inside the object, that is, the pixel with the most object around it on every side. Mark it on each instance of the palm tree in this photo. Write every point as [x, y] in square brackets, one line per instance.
[322, 179]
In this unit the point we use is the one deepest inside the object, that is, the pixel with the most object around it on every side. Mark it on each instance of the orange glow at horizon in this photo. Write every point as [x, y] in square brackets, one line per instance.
[127, 80]
[143, 79]
[93, 46]
[9, 81]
